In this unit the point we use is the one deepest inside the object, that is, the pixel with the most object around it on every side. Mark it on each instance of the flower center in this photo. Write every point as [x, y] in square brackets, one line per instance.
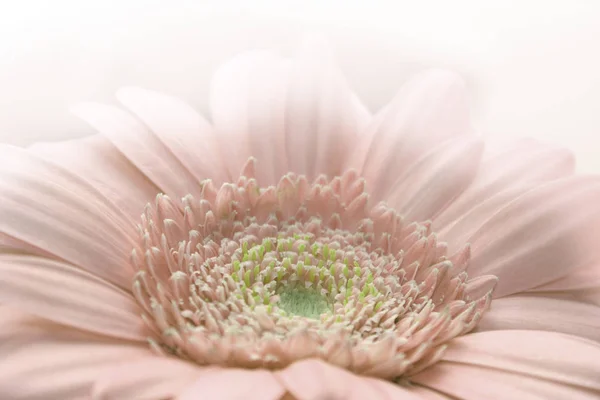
[307, 303]
[255, 277]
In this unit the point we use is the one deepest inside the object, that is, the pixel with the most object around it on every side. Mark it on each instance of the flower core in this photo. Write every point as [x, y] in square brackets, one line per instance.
[253, 277]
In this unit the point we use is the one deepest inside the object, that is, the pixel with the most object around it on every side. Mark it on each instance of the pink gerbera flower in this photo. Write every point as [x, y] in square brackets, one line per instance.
[297, 247]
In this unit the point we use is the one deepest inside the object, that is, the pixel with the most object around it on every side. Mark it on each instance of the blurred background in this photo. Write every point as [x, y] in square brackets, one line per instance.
[533, 67]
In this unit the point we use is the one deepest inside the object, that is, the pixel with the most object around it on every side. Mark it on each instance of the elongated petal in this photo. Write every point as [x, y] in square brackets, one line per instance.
[40, 360]
[145, 378]
[544, 314]
[580, 285]
[428, 110]
[521, 163]
[315, 379]
[323, 116]
[468, 382]
[551, 356]
[297, 115]
[248, 108]
[188, 136]
[233, 384]
[100, 163]
[461, 230]
[542, 236]
[48, 207]
[433, 182]
[427, 393]
[141, 147]
[70, 296]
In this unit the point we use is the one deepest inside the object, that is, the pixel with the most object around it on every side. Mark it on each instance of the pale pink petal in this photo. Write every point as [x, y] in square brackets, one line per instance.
[45, 361]
[544, 314]
[580, 285]
[520, 163]
[141, 147]
[315, 379]
[541, 236]
[100, 163]
[234, 384]
[433, 182]
[428, 393]
[551, 356]
[248, 108]
[459, 231]
[428, 110]
[145, 378]
[68, 295]
[10, 245]
[181, 129]
[297, 115]
[48, 207]
[468, 382]
[324, 118]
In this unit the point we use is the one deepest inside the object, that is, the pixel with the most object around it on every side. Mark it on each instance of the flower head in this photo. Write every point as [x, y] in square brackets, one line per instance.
[296, 248]
[263, 277]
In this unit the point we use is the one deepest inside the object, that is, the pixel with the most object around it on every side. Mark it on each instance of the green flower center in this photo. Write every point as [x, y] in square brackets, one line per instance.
[307, 303]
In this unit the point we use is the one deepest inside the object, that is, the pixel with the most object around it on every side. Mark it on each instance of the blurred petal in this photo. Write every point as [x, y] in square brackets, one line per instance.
[233, 384]
[70, 296]
[523, 163]
[551, 356]
[145, 378]
[543, 314]
[433, 182]
[468, 382]
[428, 110]
[188, 136]
[315, 379]
[541, 236]
[98, 162]
[299, 115]
[248, 108]
[46, 206]
[141, 147]
[42, 360]
[428, 393]
[580, 285]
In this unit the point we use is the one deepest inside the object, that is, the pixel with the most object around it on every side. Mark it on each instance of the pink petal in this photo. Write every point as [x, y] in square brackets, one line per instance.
[99, 163]
[70, 296]
[544, 314]
[324, 117]
[539, 237]
[141, 147]
[459, 231]
[315, 379]
[9, 245]
[580, 285]
[297, 115]
[40, 360]
[181, 129]
[436, 179]
[247, 102]
[428, 110]
[54, 210]
[523, 163]
[145, 378]
[555, 357]
[468, 382]
[427, 393]
[233, 384]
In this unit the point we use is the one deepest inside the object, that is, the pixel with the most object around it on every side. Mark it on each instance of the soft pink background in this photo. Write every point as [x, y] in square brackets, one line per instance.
[533, 67]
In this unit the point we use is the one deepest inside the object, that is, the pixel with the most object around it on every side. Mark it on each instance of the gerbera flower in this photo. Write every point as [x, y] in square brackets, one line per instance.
[296, 247]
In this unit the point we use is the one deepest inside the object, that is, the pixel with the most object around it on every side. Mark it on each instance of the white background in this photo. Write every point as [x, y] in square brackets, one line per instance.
[533, 67]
